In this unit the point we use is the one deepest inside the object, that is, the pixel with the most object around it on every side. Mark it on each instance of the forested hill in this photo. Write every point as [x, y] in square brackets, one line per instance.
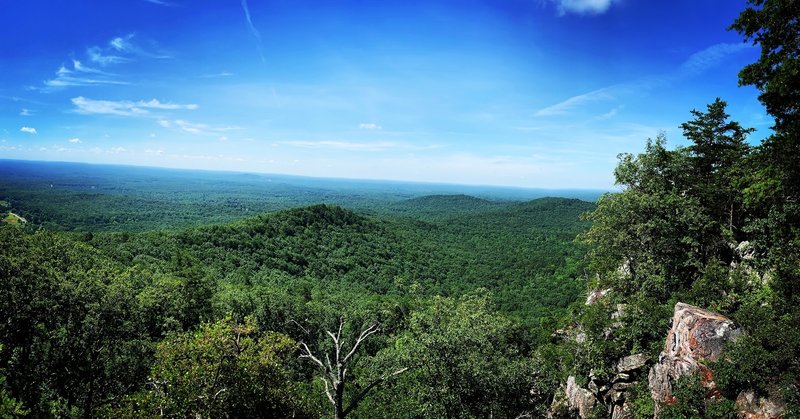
[86, 197]
[120, 323]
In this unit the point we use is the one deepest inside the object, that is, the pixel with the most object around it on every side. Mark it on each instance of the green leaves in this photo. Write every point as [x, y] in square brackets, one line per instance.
[222, 369]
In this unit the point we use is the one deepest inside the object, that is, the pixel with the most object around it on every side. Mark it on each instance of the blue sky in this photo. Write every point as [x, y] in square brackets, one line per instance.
[531, 93]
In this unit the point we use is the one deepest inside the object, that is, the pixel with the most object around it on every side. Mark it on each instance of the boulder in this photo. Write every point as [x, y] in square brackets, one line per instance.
[631, 363]
[750, 406]
[622, 411]
[596, 295]
[697, 336]
[579, 399]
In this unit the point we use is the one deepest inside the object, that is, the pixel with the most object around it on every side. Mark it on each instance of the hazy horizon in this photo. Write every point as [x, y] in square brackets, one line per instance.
[530, 94]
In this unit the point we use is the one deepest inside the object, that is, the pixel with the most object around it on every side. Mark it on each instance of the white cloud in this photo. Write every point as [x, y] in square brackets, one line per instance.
[29, 130]
[159, 2]
[565, 106]
[122, 44]
[117, 150]
[81, 75]
[195, 128]
[610, 114]
[155, 104]
[583, 6]
[355, 146]
[25, 112]
[253, 30]
[710, 57]
[217, 75]
[75, 140]
[124, 108]
[99, 56]
[78, 66]
[369, 125]
[119, 50]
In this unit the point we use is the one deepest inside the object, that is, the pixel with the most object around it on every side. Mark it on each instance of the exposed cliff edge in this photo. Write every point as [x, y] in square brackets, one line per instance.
[696, 337]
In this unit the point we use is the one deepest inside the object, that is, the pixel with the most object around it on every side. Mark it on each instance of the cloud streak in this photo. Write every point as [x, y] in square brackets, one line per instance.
[80, 75]
[355, 146]
[583, 7]
[253, 30]
[710, 57]
[124, 108]
[196, 128]
[29, 130]
[696, 64]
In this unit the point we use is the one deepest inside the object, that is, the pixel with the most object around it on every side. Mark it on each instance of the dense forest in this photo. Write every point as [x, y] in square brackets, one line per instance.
[218, 300]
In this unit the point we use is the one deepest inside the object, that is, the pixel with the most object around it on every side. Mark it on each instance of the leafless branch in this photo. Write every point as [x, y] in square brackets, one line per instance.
[364, 334]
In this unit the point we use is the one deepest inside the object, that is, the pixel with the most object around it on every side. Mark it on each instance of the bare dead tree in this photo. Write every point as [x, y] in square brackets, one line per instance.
[335, 368]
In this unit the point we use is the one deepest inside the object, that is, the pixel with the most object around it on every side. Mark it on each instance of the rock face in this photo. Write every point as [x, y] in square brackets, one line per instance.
[751, 406]
[696, 335]
[579, 398]
[595, 295]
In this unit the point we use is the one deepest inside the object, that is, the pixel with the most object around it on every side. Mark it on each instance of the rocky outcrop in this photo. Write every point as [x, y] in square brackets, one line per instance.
[596, 295]
[751, 406]
[611, 393]
[697, 336]
[579, 399]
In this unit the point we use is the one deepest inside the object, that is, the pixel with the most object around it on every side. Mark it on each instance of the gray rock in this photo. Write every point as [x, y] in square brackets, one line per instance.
[632, 363]
[579, 399]
[622, 411]
[750, 406]
[596, 295]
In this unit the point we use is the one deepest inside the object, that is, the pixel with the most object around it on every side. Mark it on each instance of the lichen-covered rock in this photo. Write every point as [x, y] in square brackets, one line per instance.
[631, 363]
[697, 335]
[579, 399]
[622, 411]
[751, 406]
[596, 295]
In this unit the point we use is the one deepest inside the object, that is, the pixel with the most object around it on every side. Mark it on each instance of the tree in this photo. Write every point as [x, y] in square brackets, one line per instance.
[465, 360]
[717, 156]
[334, 373]
[222, 369]
[774, 25]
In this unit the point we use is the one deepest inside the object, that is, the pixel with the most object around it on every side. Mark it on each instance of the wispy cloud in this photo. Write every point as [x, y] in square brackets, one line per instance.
[80, 75]
[707, 58]
[196, 128]
[29, 130]
[369, 125]
[355, 146]
[160, 3]
[218, 75]
[25, 112]
[583, 6]
[564, 107]
[104, 58]
[609, 114]
[696, 64]
[124, 108]
[74, 140]
[253, 30]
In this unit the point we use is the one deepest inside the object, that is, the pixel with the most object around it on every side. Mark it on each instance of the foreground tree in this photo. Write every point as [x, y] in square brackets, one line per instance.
[465, 360]
[336, 366]
[222, 369]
